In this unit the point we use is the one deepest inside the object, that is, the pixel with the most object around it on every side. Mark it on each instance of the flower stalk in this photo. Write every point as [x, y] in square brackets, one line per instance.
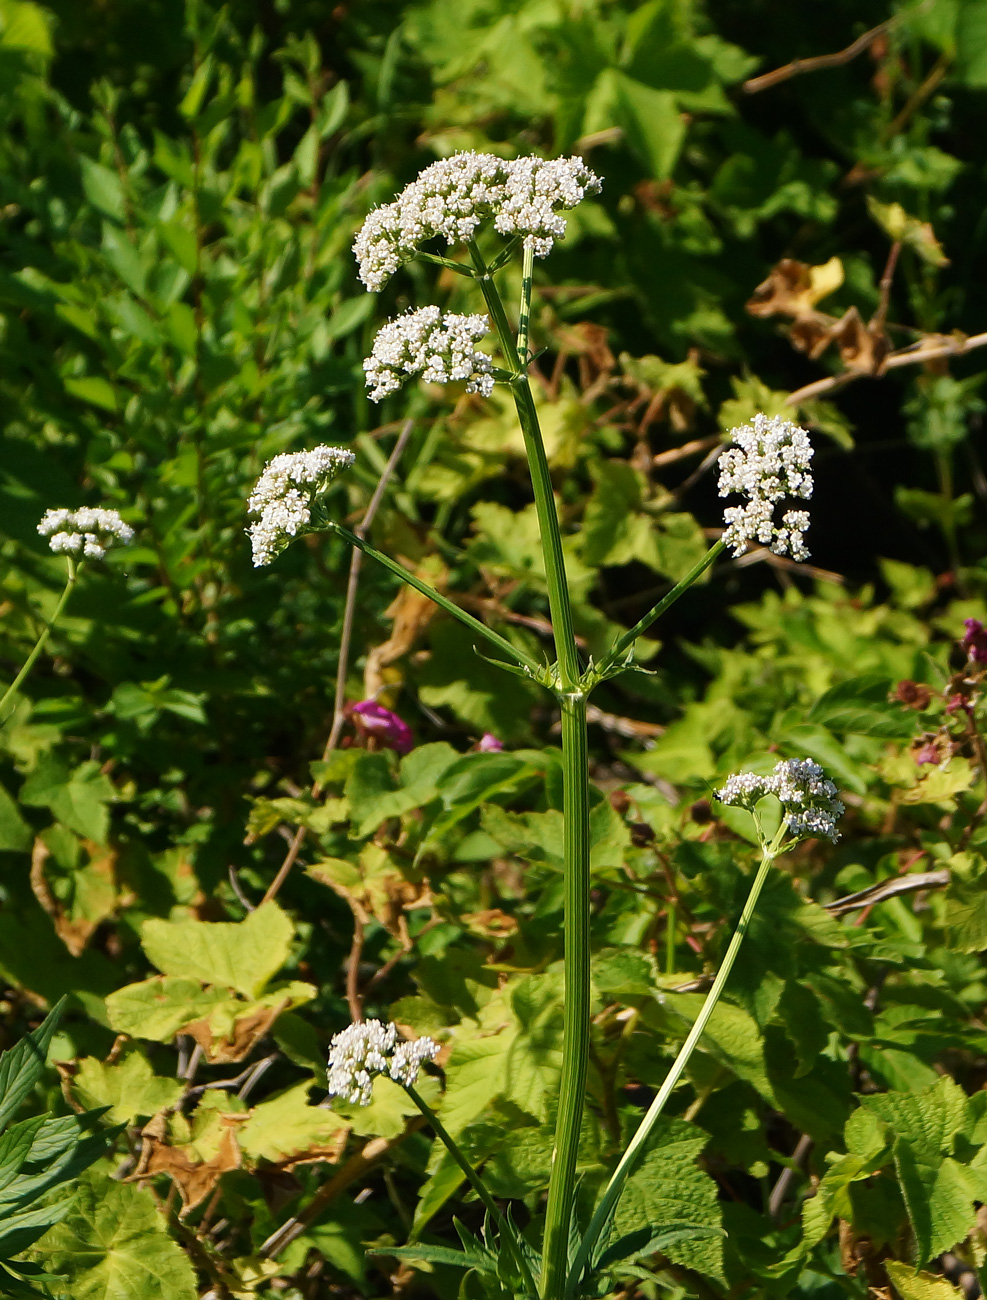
[42, 640]
[635, 1148]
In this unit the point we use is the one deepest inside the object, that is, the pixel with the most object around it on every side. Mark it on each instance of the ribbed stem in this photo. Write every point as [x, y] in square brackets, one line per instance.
[575, 795]
[541, 481]
[42, 639]
[604, 1210]
[576, 1007]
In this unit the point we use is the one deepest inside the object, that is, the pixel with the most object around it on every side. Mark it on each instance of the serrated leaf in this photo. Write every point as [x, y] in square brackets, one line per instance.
[129, 1087]
[113, 1244]
[242, 955]
[288, 1130]
[911, 1284]
[669, 1187]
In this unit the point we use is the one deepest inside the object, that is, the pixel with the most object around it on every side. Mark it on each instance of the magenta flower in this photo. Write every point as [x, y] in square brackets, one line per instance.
[386, 727]
[489, 744]
[928, 753]
[975, 641]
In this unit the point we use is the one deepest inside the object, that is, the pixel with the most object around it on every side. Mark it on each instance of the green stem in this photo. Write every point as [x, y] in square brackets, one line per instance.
[524, 314]
[627, 640]
[541, 482]
[43, 638]
[576, 1005]
[604, 1210]
[571, 694]
[443, 602]
[507, 1230]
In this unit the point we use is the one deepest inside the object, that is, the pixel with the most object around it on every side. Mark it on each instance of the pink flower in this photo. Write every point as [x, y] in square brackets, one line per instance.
[975, 640]
[928, 754]
[489, 744]
[383, 725]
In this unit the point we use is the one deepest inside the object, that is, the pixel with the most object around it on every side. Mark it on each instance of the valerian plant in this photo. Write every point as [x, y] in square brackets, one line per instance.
[470, 199]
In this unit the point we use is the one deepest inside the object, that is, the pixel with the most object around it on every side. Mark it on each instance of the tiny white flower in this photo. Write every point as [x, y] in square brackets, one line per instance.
[361, 1052]
[436, 346]
[453, 196]
[90, 531]
[810, 800]
[769, 462]
[283, 495]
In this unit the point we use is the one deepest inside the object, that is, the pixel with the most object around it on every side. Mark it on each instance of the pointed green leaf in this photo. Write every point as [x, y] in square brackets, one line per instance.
[22, 1066]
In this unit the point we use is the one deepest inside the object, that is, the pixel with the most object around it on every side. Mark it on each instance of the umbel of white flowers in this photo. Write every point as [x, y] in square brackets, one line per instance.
[769, 462]
[283, 495]
[809, 798]
[90, 531]
[523, 197]
[425, 342]
[361, 1052]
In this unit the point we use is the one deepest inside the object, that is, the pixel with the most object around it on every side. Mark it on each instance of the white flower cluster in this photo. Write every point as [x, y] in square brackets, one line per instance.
[362, 1051]
[453, 196]
[436, 346]
[283, 495]
[769, 462]
[810, 800]
[91, 531]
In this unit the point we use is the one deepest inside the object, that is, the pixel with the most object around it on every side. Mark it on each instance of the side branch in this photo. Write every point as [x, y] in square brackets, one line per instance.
[626, 642]
[819, 62]
[426, 589]
[930, 349]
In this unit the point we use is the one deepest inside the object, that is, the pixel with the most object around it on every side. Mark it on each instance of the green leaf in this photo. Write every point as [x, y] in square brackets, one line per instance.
[159, 1007]
[15, 1144]
[25, 26]
[19, 1231]
[649, 1241]
[241, 955]
[861, 706]
[911, 1284]
[441, 1255]
[129, 1087]
[15, 834]
[288, 1130]
[113, 1244]
[971, 50]
[349, 316]
[669, 1187]
[939, 1198]
[93, 389]
[966, 903]
[23, 1065]
[103, 188]
[650, 118]
[77, 797]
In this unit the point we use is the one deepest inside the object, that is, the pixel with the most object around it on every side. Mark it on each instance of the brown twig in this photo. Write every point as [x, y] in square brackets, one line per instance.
[353, 971]
[687, 449]
[917, 98]
[354, 1169]
[818, 62]
[916, 354]
[877, 321]
[886, 889]
[349, 610]
[788, 1175]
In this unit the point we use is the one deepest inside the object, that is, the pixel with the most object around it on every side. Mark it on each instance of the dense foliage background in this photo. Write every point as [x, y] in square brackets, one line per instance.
[178, 303]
